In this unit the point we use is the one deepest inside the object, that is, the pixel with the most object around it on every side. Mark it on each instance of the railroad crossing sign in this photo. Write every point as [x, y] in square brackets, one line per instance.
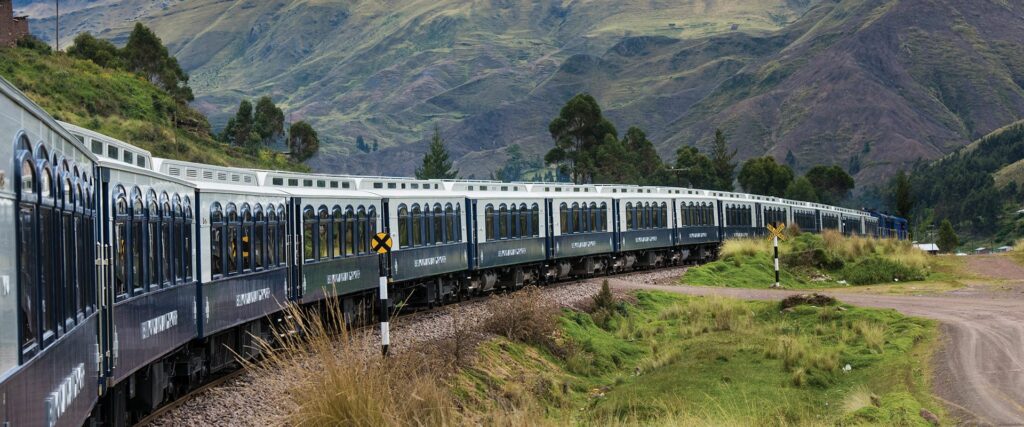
[776, 232]
[381, 243]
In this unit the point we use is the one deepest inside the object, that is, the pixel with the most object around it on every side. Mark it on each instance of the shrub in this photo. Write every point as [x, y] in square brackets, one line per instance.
[805, 299]
[525, 316]
[880, 270]
[872, 333]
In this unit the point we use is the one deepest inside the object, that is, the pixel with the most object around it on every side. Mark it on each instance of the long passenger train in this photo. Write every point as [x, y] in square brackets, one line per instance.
[127, 280]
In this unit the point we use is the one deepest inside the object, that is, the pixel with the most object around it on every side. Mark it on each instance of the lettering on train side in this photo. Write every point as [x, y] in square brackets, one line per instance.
[347, 276]
[60, 399]
[698, 235]
[584, 245]
[740, 234]
[511, 252]
[159, 324]
[252, 297]
[425, 262]
[647, 239]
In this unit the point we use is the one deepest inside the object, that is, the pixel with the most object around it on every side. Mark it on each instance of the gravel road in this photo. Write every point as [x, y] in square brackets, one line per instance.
[979, 369]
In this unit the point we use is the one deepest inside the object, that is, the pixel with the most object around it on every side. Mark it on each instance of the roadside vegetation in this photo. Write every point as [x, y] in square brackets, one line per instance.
[816, 261]
[645, 359]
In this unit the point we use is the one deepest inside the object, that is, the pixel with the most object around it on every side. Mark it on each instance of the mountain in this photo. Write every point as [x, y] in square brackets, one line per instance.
[872, 85]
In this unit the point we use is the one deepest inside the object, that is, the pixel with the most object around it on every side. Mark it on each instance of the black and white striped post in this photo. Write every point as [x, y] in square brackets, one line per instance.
[381, 243]
[776, 233]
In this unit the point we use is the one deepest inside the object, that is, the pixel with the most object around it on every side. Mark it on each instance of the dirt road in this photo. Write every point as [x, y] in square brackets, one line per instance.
[979, 370]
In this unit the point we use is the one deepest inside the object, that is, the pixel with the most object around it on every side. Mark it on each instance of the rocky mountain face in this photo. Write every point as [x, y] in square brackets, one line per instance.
[872, 85]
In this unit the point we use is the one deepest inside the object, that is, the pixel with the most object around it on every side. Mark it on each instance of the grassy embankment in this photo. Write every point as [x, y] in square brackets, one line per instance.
[127, 107]
[659, 359]
[811, 261]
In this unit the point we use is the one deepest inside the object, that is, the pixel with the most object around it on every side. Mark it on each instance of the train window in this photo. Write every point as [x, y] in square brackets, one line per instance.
[258, 231]
[323, 233]
[592, 221]
[524, 221]
[338, 223]
[29, 260]
[112, 152]
[121, 218]
[47, 280]
[272, 240]
[308, 223]
[68, 239]
[513, 224]
[371, 225]
[449, 223]
[82, 245]
[563, 217]
[362, 239]
[282, 246]
[602, 218]
[350, 231]
[166, 256]
[536, 220]
[245, 237]
[233, 253]
[664, 215]
[187, 239]
[152, 229]
[417, 225]
[438, 224]
[503, 217]
[575, 226]
[403, 226]
[629, 216]
[489, 222]
[136, 241]
[458, 222]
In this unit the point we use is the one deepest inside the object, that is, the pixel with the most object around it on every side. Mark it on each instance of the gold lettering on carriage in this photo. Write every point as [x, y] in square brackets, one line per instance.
[60, 399]
[252, 297]
[584, 245]
[511, 252]
[159, 324]
[647, 239]
[425, 262]
[347, 276]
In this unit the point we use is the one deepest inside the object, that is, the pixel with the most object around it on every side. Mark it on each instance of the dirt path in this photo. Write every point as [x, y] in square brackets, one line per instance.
[979, 371]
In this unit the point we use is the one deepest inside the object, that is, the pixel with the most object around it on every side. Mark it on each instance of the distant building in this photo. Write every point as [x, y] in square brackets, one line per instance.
[12, 27]
[928, 247]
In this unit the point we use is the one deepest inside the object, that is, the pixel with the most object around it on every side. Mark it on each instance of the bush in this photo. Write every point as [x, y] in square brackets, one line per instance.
[880, 270]
[525, 316]
[805, 299]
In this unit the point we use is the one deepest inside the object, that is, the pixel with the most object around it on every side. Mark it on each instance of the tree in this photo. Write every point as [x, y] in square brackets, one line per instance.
[615, 163]
[693, 169]
[790, 159]
[100, 51]
[267, 120]
[901, 196]
[376, 146]
[435, 163]
[643, 156]
[516, 165]
[146, 54]
[761, 175]
[361, 144]
[242, 132]
[831, 183]
[721, 159]
[302, 140]
[801, 189]
[947, 237]
[577, 131]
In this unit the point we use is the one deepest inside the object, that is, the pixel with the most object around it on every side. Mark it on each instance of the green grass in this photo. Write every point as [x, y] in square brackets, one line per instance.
[812, 261]
[676, 360]
[127, 107]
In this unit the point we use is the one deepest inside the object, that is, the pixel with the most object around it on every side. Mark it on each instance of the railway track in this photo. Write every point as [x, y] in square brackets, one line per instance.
[161, 411]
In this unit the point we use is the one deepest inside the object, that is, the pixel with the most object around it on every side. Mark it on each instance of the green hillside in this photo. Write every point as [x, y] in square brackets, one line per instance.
[125, 106]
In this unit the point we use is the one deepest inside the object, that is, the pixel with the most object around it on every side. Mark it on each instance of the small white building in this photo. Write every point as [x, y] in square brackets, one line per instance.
[928, 247]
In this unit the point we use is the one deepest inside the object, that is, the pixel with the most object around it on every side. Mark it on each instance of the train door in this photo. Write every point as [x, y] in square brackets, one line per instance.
[471, 239]
[550, 227]
[105, 294]
[292, 246]
[617, 241]
[759, 228]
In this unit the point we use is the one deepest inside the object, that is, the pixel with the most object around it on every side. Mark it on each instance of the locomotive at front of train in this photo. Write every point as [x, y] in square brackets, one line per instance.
[49, 358]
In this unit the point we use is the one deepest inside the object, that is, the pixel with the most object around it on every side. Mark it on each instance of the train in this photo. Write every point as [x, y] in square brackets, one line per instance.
[127, 280]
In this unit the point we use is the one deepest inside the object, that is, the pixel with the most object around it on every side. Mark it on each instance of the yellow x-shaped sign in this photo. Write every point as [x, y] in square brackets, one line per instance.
[776, 231]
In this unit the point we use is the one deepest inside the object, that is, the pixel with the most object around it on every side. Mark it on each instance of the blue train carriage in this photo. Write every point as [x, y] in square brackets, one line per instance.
[148, 284]
[242, 255]
[336, 222]
[697, 224]
[507, 237]
[771, 211]
[645, 220]
[429, 257]
[738, 215]
[852, 221]
[803, 215]
[49, 358]
[581, 229]
[829, 218]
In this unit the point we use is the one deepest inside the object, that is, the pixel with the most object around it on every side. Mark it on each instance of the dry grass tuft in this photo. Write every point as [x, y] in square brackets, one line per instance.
[525, 316]
[872, 333]
[744, 247]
